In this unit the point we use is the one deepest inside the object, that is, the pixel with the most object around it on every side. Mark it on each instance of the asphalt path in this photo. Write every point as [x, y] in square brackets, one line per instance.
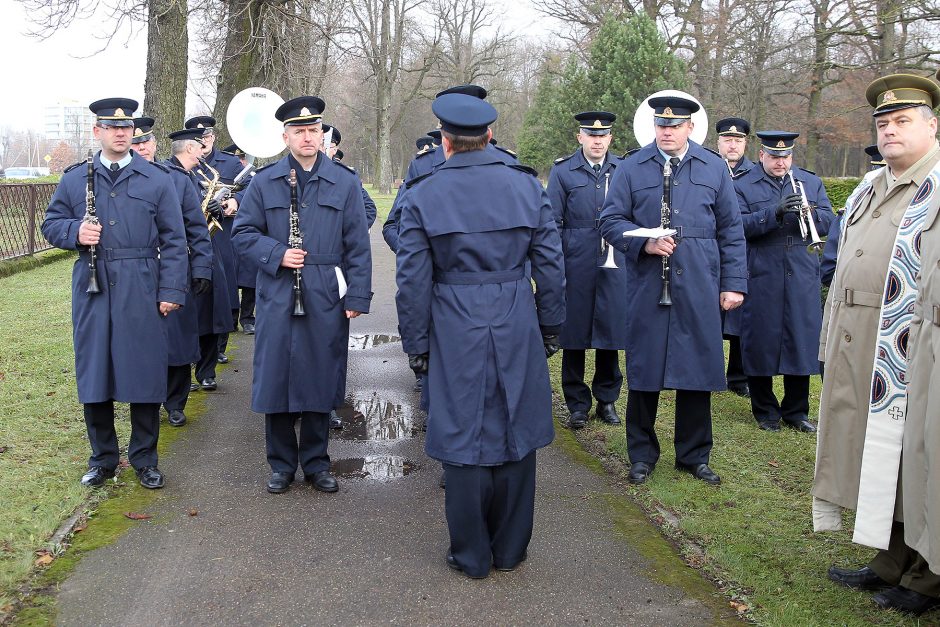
[373, 553]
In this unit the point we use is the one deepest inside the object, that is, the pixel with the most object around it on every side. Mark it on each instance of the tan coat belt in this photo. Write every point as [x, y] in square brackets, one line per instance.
[853, 298]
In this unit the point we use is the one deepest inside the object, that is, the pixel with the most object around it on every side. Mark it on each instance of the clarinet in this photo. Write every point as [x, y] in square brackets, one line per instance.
[665, 298]
[296, 241]
[91, 218]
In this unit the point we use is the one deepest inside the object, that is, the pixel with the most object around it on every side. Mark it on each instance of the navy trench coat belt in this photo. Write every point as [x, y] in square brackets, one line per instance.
[113, 254]
[853, 298]
[322, 259]
[782, 240]
[479, 278]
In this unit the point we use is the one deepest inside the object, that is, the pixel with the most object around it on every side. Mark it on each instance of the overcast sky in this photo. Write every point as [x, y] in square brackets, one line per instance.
[37, 73]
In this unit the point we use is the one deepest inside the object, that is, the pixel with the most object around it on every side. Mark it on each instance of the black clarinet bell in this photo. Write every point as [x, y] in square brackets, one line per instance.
[298, 306]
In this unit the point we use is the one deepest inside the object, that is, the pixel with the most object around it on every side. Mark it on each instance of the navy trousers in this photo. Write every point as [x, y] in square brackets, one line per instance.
[284, 451]
[490, 511]
[208, 356]
[794, 406]
[145, 432]
[693, 439]
[735, 374]
[177, 387]
[606, 383]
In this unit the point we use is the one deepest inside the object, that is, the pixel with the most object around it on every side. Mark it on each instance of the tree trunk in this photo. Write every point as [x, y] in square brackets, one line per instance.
[241, 60]
[167, 60]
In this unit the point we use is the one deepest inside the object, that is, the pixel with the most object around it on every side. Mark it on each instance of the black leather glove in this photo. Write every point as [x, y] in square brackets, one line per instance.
[551, 345]
[201, 286]
[418, 363]
[214, 209]
[789, 204]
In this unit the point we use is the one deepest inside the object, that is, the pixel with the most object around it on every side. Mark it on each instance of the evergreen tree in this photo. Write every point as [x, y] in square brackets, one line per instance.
[628, 60]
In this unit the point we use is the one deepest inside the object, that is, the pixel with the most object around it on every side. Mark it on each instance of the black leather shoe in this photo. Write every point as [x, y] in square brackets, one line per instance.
[701, 472]
[801, 424]
[248, 328]
[606, 412]
[768, 425]
[96, 476]
[324, 481]
[177, 418]
[335, 421]
[740, 389]
[222, 358]
[193, 387]
[454, 565]
[640, 472]
[443, 481]
[906, 600]
[861, 579]
[280, 482]
[577, 419]
[508, 569]
[208, 384]
[418, 384]
[150, 477]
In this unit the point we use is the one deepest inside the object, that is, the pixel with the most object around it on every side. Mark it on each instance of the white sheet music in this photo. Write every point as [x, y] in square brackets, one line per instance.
[654, 233]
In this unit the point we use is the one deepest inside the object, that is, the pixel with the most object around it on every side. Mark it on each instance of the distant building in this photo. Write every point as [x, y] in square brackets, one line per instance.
[69, 121]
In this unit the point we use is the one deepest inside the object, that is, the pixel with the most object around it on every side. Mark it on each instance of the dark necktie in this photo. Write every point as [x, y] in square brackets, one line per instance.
[115, 167]
[674, 162]
[597, 168]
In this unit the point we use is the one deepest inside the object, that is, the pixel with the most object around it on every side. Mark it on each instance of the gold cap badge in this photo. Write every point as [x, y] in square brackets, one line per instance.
[119, 111]
[781, 144]
[305, 111]
[667, 111]
[733, 129]
[889, 95]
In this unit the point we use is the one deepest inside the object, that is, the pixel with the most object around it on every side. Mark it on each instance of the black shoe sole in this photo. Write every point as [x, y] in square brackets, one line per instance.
[278, 490]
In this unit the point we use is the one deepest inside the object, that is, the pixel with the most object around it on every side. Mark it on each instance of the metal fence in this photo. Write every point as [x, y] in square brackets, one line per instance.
[22, 208]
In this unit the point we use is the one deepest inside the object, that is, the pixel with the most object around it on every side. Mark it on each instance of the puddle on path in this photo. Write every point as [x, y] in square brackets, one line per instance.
[365, 342]
[375, 419]
[375, 467]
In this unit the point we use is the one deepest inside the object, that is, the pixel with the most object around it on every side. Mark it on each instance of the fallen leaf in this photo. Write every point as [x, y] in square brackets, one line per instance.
[44, 560]
[7, 547]
[3, 376]
[3, 449]
[193, 512]
[6, 609]
[774, 463]
[739, 607]
[80, 528]
[50, 393]
[123, 464]
[136, 516]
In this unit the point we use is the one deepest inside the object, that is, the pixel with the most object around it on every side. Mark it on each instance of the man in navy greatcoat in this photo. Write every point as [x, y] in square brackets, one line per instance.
[595, 291]
[782, 318]
[300, 360]
[228, 166]
[676, 346]
[120, 333]
[182, 326]
[732, 146]
[470, 320]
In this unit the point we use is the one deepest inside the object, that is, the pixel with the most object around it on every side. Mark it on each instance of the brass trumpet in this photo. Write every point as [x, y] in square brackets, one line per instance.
[210, 185]
[807, 219]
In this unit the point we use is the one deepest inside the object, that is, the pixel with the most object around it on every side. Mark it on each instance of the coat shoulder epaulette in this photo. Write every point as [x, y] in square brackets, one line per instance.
[506, 150]
[629, 153]
[412, 182]
[423, 154]
[348, 167]
[160, 166]
[807, 171]
[174, 167]
[265, 167]
[714, 152]
[74, 165]
[563, 159]
[524, 168]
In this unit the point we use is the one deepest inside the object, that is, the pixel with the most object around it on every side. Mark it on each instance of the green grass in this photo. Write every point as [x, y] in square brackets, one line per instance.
[45, 450]
[383, 203]
[755, 531]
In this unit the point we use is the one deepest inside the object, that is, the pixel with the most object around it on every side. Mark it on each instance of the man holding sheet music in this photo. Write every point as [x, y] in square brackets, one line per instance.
[677, 346]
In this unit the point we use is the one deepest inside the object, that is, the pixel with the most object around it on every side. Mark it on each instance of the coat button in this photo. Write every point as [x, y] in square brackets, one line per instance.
[789, 273]
[858, 253]
[876, 214]
[848, 337]
[597, 186]
[303, 204]
[679, 271]
[112, 222]
[113, 194]
[264, 259]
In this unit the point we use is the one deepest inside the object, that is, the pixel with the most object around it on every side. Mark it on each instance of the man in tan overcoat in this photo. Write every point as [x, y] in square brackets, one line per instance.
[906, 129]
